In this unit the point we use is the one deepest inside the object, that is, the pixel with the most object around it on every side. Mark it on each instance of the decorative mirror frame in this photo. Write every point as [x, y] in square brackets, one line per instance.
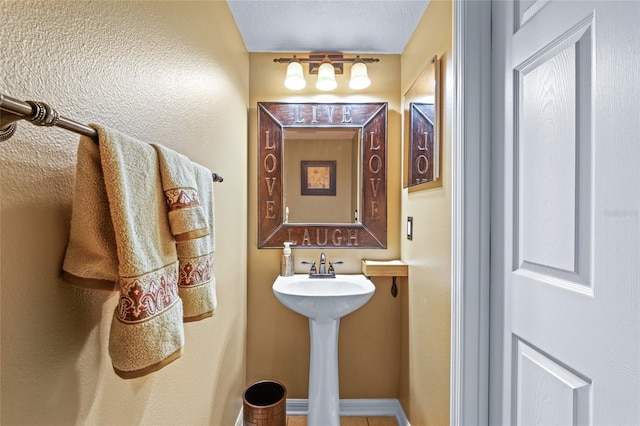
[423, 143]
[371, 119]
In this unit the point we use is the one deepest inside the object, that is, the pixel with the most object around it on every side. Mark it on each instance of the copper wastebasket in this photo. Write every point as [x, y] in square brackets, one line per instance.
[265, 404]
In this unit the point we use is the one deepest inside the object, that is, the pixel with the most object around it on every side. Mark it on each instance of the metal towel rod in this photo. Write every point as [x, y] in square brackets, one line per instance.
[41, 114]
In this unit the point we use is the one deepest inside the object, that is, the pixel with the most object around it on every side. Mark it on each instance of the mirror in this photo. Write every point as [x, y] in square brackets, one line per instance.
[322, 175]
[422, 129]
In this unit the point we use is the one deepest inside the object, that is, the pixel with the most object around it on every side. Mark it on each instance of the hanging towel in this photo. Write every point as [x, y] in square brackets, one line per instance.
[147, 330]
[186, 216]
[197, 282]
[91, 260]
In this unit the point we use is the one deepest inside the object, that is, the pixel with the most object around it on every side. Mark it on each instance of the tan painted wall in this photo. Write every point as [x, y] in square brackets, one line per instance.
[169, 72]
[424, 390]
[277, 338]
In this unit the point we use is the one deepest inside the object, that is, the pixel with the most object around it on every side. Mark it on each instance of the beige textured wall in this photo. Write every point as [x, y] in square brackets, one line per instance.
[277, 338]
[168, 72]
[426, 312]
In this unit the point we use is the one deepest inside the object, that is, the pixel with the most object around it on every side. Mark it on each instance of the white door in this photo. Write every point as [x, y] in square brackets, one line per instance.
[565, 213]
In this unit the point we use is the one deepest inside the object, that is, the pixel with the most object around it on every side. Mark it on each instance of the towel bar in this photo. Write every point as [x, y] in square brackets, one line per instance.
[41, 114]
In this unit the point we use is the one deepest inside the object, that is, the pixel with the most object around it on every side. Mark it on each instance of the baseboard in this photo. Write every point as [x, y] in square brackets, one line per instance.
[297, 407]
[356, 407]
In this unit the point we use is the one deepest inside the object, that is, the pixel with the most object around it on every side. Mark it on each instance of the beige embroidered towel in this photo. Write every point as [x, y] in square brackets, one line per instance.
[146, 330]
[186, 216]
[91, 260]
[197, 281]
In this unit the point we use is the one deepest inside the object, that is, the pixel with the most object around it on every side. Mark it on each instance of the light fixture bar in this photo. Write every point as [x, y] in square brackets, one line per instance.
[326, 66]
[337, 59]
[319, 58]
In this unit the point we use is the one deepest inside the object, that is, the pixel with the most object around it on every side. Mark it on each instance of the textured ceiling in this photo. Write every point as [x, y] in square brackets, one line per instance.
[364, 26]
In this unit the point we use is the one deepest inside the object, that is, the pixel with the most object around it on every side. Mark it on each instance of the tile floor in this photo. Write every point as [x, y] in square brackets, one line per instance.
[348, 421]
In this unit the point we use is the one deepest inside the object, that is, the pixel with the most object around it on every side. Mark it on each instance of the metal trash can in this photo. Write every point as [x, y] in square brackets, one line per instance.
[265, 404]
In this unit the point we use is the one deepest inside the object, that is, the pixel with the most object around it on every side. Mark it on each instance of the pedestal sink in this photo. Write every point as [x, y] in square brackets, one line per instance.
[324, 302]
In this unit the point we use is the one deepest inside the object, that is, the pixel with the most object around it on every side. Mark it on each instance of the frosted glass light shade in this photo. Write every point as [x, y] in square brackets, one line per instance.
[326, 77]
[359, 78]
[295, 76]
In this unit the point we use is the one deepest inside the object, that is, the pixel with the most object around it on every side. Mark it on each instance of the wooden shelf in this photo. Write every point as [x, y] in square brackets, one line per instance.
[384, 268]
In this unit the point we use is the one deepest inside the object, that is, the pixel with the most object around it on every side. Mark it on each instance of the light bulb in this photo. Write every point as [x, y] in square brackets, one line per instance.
[359, 78]
[295, 76]
[326, 77]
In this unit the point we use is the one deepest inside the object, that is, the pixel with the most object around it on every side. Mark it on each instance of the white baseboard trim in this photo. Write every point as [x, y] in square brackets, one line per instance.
[356, 407]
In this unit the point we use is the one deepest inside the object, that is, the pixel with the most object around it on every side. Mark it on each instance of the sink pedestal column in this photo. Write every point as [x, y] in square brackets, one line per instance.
[324, 392]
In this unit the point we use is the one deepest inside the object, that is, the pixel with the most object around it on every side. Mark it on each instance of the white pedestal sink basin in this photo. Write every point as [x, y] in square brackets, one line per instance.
[323, 301]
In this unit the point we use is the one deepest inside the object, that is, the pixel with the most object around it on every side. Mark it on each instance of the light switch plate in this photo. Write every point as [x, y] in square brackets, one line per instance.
[409, 227]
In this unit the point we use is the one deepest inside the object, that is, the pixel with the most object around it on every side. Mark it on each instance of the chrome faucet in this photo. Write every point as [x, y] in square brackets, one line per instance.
[322, 272]
[323, 264]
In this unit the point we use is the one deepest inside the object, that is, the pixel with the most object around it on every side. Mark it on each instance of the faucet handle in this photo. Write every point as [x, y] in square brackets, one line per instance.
[334, 262]
[313, 266]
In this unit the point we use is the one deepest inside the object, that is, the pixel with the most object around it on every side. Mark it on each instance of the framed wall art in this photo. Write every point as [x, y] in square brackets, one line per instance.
[318, 177]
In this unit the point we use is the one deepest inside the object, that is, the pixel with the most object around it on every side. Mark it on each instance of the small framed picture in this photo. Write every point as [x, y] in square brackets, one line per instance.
[318, 177]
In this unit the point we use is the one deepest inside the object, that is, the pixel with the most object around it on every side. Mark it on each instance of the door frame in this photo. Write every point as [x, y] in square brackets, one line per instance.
[471, 213]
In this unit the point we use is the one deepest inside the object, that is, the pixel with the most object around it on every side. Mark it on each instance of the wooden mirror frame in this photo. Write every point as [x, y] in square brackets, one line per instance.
[371, 119]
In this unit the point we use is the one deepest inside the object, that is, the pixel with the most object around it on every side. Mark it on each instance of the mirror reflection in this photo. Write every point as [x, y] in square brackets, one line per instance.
[321, 175]
[422, 129]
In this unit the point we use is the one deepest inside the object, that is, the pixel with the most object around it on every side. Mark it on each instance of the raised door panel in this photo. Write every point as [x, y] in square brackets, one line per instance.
[548, 393]
[553, 159]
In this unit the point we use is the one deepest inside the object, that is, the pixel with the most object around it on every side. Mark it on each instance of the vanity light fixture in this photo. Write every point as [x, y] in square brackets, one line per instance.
[359, 77]
[326, 76]
[326, 65]
[295, 75]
